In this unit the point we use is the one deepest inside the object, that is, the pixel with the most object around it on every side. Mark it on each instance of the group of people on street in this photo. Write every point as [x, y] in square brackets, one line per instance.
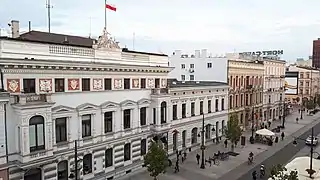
[262, 172]
[183, 158]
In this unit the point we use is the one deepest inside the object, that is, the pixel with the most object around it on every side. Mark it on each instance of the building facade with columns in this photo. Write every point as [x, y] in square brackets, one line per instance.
[64, 89]
[67, 91]
[191, 103]
[273, 89]
[245, 78]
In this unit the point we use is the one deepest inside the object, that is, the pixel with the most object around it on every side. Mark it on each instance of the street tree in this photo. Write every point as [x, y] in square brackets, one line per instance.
[318, 99]
[279, 172]
[156, 160]
[233, 130]
[310, 104]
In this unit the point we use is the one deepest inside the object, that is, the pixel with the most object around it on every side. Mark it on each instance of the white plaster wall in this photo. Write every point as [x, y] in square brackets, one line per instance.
[218, 72]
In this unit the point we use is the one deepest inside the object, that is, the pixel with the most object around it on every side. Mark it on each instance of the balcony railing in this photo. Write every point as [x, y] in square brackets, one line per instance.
[159, 91]
[31, 98]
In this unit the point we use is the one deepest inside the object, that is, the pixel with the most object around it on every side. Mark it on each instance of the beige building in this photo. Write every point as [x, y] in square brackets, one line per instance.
[245, 78]
[308, 83]
[273, 88]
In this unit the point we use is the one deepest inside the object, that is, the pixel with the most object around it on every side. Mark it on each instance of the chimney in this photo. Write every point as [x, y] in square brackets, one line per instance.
[197, 53]
[203, 53]
[177, 53]
[15, 29]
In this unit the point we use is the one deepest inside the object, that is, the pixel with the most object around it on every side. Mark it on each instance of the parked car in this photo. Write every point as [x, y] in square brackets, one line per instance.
[309, 140]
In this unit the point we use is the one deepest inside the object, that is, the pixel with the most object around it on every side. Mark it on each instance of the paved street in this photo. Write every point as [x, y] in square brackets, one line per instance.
[189, 170]
[282, 155]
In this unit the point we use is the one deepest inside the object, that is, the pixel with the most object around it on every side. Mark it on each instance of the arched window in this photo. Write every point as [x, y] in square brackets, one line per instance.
[63, 170]
[208, 131]
[184, 136]
[36, 133]
[33, 174]
[175, 140]
[163, 112]
[194, 135]
[87, 164]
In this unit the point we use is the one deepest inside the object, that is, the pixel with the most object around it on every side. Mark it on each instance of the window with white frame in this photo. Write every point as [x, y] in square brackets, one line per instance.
[61, 129]
[86, 125]
[127, 119]
[108, 117]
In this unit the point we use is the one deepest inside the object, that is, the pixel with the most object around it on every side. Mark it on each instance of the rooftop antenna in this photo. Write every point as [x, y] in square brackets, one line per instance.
[90, 27]
[133, 39]
[48, 6]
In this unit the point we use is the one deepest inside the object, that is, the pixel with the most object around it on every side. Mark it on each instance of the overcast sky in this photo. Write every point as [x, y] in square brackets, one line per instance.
[165, 25]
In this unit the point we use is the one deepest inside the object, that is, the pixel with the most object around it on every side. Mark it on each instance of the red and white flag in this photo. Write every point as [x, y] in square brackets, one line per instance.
[111, 7]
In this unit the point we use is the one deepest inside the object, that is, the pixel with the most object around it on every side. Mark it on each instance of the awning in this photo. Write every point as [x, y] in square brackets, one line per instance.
[265, 132]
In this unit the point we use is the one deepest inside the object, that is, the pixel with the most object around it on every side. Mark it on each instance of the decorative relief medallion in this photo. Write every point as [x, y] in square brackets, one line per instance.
[13, 85]
[150, 83]
[135, 83]
[163, 83]
[97, 84]
[73, 84]
[118, 83]
[45, 85]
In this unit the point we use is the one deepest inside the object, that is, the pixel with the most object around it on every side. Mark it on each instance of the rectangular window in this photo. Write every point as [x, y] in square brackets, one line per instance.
[143, 116]
[192, 66]
[209, 106]
[86, 125]
[126, 83]
[222, 104]
[29, 85]
[154, 115]
[61, 130]
[126, 119]
[59, 85]
[217, 105]
[209, 65]
[36, 136]
[183, 77]
[109, 157]
[191, 77]
[143, 147]
[192, 109]
[108, 116]
[201, 107]
[107, 84]
[127, 152]
[183, 109]
[85, 84]
[183, 66]
[174, 112]
[143, 83]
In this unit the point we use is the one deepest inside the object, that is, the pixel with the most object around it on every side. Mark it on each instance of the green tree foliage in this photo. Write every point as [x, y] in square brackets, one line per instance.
[318, 99]
[233, 130]
[156, 160]
[279, 172]
[310, 104]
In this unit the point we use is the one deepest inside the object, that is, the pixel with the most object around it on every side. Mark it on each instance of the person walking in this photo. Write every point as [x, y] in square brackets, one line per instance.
[225, 143]
[198, 158]
[297, 120]
[177, 169]
[282, 136]
[269, 124]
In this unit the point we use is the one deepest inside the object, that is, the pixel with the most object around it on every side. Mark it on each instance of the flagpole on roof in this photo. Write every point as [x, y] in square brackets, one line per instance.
[105, 15]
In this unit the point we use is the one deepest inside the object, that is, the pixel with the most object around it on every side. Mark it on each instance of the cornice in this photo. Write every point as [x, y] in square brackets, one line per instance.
[57, 65]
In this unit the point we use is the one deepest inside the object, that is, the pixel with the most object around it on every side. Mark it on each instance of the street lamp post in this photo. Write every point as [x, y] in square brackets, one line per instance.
[310, 171]
[252, 123]
[76, 161]
[284, 114]
[202, 166]
[203, 147]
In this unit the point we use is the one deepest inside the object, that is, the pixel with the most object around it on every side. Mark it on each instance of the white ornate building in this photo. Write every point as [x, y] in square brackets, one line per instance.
[274, 80]
[111, 101]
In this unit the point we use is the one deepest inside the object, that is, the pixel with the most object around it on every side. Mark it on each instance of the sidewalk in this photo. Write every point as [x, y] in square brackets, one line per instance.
[189, 170]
